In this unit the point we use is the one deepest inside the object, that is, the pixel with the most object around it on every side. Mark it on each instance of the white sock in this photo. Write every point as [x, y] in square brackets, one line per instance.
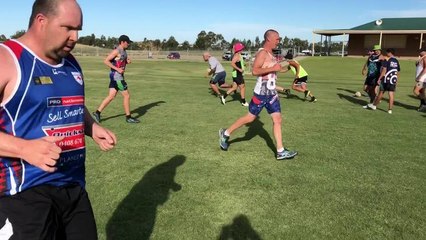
[226, 133]
[280, 150]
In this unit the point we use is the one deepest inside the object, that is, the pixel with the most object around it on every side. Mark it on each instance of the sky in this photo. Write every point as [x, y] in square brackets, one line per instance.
[247, 19]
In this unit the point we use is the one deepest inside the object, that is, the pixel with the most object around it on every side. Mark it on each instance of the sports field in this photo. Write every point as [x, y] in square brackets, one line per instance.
[360, 174]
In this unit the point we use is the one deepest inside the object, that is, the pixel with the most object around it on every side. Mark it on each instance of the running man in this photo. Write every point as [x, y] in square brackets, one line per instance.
[419, 88]
[388, 79]
[371, 70]
[238, 66]
[301, 77]
[265, 67]
[217, 71]
[117, 61]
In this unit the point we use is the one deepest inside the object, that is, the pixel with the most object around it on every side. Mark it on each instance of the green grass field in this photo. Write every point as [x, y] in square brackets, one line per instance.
[360, 174]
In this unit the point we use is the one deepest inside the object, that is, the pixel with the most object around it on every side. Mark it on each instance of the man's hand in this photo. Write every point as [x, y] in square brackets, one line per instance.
[103, 137]
[277, 67]
[43, 153]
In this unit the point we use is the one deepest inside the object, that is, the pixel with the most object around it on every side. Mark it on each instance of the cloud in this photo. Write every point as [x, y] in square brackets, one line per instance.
[398, 13]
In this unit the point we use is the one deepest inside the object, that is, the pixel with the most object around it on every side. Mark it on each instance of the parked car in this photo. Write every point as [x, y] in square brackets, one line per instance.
[246, 56]
[173, 55]
[227, 56]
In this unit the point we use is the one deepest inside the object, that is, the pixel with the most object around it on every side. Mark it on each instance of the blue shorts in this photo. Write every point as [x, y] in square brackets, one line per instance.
[271, 103]
[218, 78]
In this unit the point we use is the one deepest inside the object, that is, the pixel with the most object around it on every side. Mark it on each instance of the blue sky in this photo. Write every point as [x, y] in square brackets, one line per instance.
[233, 19]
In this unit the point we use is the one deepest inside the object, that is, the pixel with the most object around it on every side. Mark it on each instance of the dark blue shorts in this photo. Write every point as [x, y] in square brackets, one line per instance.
[271, 103]
[218, 78]
[119, 85]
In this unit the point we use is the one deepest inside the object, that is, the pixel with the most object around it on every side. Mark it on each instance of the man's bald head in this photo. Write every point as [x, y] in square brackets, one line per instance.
[45, 7]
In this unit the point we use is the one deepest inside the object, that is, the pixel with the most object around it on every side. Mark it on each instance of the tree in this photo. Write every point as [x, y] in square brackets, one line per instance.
[18, 34]
[185, 45]
[3, 38]
[257, 43]
[171, 44]
[200, 43]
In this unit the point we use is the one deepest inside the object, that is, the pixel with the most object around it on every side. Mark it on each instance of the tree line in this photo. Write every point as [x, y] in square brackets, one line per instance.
[204, 41]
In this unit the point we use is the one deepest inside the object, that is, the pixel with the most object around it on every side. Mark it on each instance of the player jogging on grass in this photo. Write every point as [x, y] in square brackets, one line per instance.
[300, 82]
[265, 67]
[218, 73]
[238, 66]
[117, 61]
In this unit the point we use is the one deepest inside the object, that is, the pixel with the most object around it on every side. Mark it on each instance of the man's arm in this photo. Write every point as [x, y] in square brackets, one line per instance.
[111, 57]
[43, 152]
[258, 63]
[105, 139]
[364, 68]
[423, 62]
[296, 66]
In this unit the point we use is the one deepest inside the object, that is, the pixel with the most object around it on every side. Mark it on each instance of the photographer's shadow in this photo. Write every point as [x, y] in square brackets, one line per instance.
[240, 229]
[135, 216]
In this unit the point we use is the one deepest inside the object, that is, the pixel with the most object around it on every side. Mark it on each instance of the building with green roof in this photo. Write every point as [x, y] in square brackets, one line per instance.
[405, 35]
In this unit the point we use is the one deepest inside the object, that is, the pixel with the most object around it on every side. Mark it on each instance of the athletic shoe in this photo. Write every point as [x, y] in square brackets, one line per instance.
[287, 92]
[286, 154]
[223, 140]
[390, 111]
[365, 106]
[422, 108]
[371, 106]
[307, 92]
[97, 117]
[222, 99]
[313, 99]
[132, 120]
[245, 104]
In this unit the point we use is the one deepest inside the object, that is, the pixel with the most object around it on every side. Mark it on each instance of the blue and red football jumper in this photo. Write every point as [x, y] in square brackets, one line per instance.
[47, 100]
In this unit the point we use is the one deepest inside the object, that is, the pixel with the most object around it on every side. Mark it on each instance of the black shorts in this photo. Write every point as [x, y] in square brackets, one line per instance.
[48, 212]
[238, 80]
[387, 87]
[371, 81]
[299, 81]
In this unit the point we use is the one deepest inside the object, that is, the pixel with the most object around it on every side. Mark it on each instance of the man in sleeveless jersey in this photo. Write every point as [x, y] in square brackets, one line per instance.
[117, 61]
[300, 83]
[43, 123]
[218, 75]
[265, 67]
[238, 66]
[371, 71]
[388, 80]
[419, 87]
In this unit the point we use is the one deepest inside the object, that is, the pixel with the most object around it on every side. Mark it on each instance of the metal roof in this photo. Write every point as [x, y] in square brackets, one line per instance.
[385, 25]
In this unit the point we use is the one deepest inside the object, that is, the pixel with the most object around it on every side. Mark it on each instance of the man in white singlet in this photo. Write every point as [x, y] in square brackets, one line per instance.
[265, 95]
[419, 88]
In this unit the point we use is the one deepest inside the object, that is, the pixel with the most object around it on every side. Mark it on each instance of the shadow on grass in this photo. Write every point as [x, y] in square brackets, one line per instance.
[293, 96]
[255, 128]
[347, 90]
[239, 229]
[353, 100]
[135, 216]
[138, 112]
